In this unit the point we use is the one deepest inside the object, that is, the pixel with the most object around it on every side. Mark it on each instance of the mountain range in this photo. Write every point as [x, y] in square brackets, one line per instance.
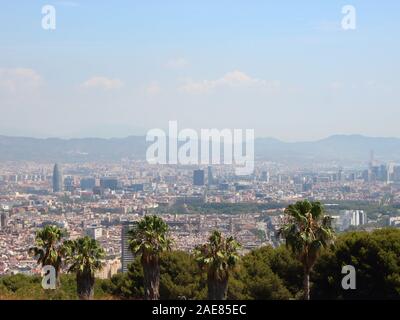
[340, 148]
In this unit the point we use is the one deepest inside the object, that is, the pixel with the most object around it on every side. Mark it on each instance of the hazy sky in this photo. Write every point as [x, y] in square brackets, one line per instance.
[284, 68]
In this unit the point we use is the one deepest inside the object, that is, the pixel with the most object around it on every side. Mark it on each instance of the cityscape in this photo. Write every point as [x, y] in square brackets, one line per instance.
[200, 155]
[193, 201]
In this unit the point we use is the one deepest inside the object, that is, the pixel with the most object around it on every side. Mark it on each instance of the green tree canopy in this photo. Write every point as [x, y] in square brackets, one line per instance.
[376, 259]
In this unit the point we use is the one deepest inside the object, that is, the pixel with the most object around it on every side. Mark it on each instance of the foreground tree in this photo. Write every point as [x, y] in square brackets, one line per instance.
[375, 258]
[148, 240]
[84, 256]
[266, 273]
[307, 230]
[179, 279]
[218, 257]
[49, 248]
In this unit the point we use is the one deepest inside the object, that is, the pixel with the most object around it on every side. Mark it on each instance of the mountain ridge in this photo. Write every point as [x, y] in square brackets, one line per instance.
[333, 148]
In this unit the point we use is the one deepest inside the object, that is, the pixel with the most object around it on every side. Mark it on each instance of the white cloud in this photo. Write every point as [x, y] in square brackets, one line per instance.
[178, 63]
[234, 79]
[153, 89]
[102, 83]
[19, 80]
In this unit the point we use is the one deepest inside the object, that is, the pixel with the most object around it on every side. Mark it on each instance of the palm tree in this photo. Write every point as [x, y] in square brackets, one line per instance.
[218, 256]
[148, 240]
[307, 230]
[84, 255]
[48, 249]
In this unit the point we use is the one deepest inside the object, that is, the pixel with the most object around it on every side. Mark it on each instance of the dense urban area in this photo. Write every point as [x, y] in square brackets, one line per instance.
[104, 200]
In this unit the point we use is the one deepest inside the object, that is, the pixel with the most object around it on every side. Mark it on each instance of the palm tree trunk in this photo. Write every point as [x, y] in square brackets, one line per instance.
[211, 287]
[85, 285]
[58, 279]
[306, 284]
[151, 275]
[217, 289]
[58, 276]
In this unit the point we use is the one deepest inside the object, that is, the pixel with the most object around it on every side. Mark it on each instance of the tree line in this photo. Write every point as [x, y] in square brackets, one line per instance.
[308, 266]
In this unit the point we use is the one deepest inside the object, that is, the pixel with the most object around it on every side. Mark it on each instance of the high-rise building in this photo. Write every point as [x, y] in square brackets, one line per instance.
[396, 173]
[371, 159]
[126, 256]
[210, 176]
[198, 177]
[265, 176]
[349, 218]
[87, 183]
[109, 183]
[307, 186]
[378, 173]
[57, 179]
[340, 175]
[3, 220]
[362, 217]
[366, 175]
[69, 184]
[383, 173]
[94, 232]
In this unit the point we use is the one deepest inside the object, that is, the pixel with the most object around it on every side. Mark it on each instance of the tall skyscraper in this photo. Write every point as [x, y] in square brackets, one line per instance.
[396, 173]
[349, 218]
[362, 217]
[126, 256]
[371, 159]
[265, 176]
[210, 176]
[57, 179]
[340, 175]
[198, 177]
[3, 220]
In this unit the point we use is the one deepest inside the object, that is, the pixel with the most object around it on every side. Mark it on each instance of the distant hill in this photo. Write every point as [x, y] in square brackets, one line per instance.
[334, 148]
[346, 148]
[86, 149]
